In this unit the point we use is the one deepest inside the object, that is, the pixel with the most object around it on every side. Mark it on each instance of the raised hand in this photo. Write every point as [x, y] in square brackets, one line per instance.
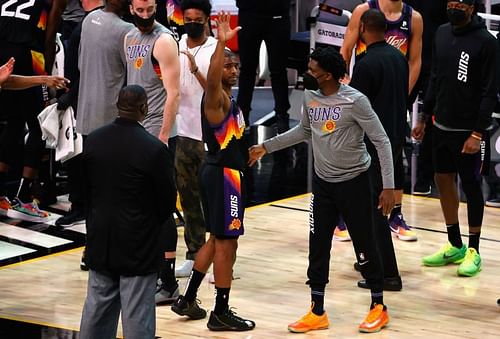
[224, 31]
[6, 70]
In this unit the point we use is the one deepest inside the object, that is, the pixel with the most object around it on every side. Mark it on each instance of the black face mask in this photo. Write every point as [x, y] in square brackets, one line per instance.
[456, 16]
[310, 82]
[144, 24]
[194, 30]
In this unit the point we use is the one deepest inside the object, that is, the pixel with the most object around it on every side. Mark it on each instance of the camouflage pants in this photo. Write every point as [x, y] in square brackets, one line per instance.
[189, 156]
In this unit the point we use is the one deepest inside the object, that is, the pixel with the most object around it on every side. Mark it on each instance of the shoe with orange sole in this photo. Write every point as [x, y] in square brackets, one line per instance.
[310, 322]
[377, 318]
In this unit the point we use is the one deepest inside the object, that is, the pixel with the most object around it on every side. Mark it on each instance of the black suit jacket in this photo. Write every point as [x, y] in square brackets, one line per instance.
[130, 192]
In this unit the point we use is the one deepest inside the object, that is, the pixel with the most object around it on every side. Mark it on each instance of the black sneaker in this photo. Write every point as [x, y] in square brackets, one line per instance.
[72, 218]
[493, 202]
[422, 189]
[83, 264]
[390, 284]
[229, 321]
[166, 295]
[189, 308]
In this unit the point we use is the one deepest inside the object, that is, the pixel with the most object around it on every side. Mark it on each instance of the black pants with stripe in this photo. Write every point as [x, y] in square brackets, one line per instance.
[354, 200]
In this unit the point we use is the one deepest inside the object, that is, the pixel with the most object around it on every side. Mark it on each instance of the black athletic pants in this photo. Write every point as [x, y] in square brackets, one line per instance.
[354, 200]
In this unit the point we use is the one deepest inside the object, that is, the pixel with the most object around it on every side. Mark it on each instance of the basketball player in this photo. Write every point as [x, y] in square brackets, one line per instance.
[27, 33]
[404, 31]
[336, 118]
[222, 187]
[462, 95]
[153, 63]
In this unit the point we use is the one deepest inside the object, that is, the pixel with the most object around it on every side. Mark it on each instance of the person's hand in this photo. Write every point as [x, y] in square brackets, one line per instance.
[56, 82]
[386, 201]
[471, 145]
[6, 70]
[418, 131]
[163, 136]
[255, 153]
[224, 31]
[192, 63]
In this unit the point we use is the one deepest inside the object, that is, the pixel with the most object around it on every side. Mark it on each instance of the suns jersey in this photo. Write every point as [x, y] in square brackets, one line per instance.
[224, 141]
[144, 70]
[23, 23]
[397, 34]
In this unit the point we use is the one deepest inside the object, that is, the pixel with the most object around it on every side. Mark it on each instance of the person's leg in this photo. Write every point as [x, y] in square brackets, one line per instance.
[277, 38]
[359, 220]
[168, 290]
[469, 167]
[189, 156]
[445, 154]
[323, 215]
[102, 307]
[249, 40]
[137, 295]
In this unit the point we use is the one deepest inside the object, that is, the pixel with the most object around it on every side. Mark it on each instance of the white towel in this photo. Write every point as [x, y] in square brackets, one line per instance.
[49, 124]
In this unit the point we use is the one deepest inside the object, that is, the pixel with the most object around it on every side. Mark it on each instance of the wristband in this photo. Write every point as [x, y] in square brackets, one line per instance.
[477, 137]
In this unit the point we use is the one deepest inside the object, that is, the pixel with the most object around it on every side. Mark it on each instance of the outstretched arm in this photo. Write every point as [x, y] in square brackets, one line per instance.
[23, 82]
[352, 33]
[214, 93]
[415, 49]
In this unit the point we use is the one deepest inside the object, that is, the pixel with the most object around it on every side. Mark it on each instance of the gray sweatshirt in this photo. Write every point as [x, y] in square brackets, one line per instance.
[336, 124]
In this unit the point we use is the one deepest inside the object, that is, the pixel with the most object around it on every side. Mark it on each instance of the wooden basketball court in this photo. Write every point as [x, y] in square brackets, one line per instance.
[270, 289]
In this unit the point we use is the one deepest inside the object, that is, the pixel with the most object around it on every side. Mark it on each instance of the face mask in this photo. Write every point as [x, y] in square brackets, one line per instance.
[311, 82]
[144, 24]
[456, 16]
[194, 29]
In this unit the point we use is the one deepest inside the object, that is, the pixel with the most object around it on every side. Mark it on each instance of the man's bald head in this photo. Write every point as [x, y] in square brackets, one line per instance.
[132, 103]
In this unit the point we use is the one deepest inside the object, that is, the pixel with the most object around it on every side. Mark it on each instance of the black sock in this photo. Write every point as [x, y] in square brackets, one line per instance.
[395, 211]
[474, 240]
[3, 179]
[24, 191]
[377, 298]
[454, 236]
[193, 283]
[221, 299]
[318, 300]
[167, 274]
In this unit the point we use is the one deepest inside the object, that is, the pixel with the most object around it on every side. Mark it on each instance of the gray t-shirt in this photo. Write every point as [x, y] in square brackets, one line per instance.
[102, 69]
[337, 124]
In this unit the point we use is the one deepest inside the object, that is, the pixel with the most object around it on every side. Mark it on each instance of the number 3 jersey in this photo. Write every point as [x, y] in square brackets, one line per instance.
[23, 23]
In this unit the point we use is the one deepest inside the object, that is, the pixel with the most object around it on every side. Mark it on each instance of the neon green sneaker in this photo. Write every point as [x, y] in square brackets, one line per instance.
[471, 264]
[446, 255]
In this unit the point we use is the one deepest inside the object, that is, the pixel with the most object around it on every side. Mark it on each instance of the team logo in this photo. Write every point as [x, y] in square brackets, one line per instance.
[235, 224]
[139, 62]
[329, 126]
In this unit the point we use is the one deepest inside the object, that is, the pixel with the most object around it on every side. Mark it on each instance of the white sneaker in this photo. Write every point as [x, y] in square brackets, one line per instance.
[185, 269]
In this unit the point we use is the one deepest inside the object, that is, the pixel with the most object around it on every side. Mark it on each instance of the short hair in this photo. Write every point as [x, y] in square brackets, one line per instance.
[374, 20]
[228, 53]
[203, 5]
[131, 99]
[330, 60]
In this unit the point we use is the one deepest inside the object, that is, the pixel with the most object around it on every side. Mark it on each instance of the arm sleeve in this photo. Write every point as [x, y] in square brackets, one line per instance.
[365, 116]
[294, 136]
[489, 87]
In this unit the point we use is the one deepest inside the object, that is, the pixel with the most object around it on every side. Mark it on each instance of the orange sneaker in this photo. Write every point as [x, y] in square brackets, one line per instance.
[310, 322]
[5, 205]
[377, 318]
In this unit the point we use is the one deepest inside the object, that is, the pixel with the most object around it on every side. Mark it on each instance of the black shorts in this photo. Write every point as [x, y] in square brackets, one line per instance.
[447, 156]
[223, 198]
